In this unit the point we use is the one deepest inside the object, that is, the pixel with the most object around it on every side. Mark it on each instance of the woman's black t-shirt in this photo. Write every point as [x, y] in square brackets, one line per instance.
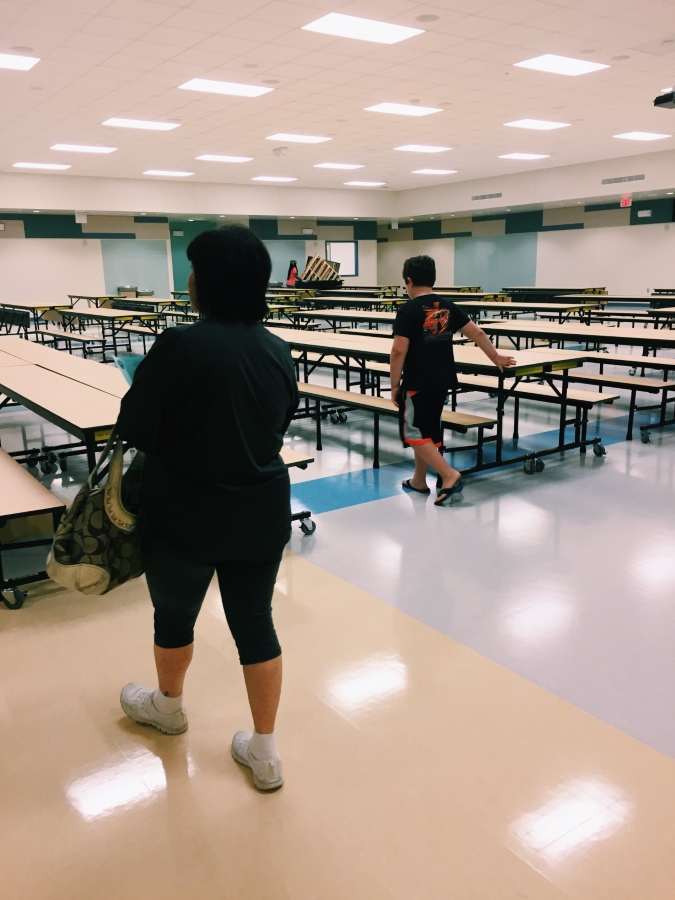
[209, 406]
[429, 322]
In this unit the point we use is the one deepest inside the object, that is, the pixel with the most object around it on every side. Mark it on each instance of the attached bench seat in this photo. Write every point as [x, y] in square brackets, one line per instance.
[635, 386]
[338, 400]
[88, 343]
[581, 401]
[22, 496]
[662, 363]
[141, 330]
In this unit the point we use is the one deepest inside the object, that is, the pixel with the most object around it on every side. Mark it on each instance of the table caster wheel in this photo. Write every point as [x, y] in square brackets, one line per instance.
[539, 465]
[645, 437]
[308, 526]
[334, 418]
[19, 599]
[342, 417]
[32, 462]
[63, 462]
[528, 466]
[599, 450]
[632, 371]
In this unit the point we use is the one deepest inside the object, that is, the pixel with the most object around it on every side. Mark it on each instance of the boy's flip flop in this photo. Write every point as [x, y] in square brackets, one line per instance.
[445, 494]
[406, 484]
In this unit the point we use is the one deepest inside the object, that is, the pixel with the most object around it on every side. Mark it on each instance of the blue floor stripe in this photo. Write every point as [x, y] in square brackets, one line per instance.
[365, 485]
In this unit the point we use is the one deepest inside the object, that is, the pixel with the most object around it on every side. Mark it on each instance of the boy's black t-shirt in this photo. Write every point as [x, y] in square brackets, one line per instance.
[429, 322]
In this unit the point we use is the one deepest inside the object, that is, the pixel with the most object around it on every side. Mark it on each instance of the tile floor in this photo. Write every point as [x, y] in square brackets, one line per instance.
[478, 700]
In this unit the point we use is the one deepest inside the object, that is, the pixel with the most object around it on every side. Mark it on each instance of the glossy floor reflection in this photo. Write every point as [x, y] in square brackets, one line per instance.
[414, 766]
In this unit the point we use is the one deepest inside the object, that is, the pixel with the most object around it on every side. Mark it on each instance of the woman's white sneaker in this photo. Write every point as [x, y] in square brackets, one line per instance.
[136, 701]
[267, 775]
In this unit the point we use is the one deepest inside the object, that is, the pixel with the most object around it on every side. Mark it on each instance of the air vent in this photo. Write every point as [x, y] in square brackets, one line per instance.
[486, 196]
[622, 179]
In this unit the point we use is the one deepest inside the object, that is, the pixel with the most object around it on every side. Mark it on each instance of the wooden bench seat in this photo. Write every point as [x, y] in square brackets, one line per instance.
[86, 341]
[662, 363]
[338, 400]
[141, 330]
[632, 384]
[22, 496]
[581, 401]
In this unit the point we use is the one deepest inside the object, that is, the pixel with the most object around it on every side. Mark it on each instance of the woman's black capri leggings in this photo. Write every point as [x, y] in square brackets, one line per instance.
[177, 589]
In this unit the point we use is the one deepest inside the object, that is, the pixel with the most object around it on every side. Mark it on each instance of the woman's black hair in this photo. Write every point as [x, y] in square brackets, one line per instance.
[232, 270]
[421, 270]
[292, 265]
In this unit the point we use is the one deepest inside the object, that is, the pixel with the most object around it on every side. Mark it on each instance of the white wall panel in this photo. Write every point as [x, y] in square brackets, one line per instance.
[50, 269]
[391, 256]
[624, 260]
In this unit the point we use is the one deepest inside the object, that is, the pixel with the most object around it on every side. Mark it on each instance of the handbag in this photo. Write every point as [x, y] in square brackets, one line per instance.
[97, 544]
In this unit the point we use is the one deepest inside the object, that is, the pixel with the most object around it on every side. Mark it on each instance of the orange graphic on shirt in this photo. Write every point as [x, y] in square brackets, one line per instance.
[436, 322]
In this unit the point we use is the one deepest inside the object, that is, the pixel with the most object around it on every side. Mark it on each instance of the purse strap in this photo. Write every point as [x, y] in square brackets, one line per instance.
[93, 475]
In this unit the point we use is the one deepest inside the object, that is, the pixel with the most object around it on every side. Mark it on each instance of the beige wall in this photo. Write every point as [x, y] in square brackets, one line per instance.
[391, 256]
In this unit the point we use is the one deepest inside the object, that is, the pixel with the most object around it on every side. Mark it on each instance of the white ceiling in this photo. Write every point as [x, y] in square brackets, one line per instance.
[126, 58]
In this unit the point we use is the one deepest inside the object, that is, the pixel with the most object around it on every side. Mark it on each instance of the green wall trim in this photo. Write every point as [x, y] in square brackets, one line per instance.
[570, 226]
[662, 211]
[424, 231]
[266, 229]
[496, 218]
[519, 223]
[457, 234]
[154, 220]
[365, 231]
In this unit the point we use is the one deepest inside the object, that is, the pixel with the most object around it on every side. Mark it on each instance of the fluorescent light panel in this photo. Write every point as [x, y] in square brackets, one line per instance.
[232, 88]
[168, 173]
[525, 156]
[403, 109]
[82, 148]
[22, 63]
[213, 157]
[337, 166]
[642, 136]
[537, 124]
[272, 178]
[435, 172]
[298, 138]
[560, 65]
[422, 148]
[29, 165]
[339, 25]
[141, 123]
[366, 183]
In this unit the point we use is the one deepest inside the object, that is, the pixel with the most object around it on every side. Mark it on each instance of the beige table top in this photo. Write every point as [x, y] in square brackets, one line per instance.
[509, 305]
[102, 313]
[466, 356]
[149, 301]
[292, 458]
[6, 359]
[94, 374]
[664, 311]
[73, 406]
[21, 493]
[34, 304]
[355, 315]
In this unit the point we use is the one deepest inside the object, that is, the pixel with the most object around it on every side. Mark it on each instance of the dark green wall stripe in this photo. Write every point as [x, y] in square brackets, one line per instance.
[154, 220]
[572, 226]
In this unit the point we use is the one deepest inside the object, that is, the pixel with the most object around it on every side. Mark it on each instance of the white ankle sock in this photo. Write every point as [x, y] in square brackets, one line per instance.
[263, 746]
[166, 705]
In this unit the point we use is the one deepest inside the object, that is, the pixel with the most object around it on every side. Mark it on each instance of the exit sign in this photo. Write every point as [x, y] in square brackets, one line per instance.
[626, 201]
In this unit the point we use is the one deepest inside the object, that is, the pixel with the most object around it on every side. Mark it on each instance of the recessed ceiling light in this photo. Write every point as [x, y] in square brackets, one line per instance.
[403, 109]
[525, 156]
[169, 173]
[213, 157]
[669, 192]
[537, 124]
[36, 210]
[642, 136]
[28, 165]
[23, 63]
[435, 172]
[561, 65]
[360, 29]
[298, 138]
[272, 178]
[366, 183]
[337, 166]
[82, 148]
[422, 148]
[209, 86]
[141, 123]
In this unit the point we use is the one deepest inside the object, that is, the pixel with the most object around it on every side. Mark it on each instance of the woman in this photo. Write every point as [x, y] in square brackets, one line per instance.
[209, 406]
[292, 276]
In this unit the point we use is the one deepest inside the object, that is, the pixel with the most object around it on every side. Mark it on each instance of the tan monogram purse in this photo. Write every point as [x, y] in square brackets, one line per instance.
[97, 545]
